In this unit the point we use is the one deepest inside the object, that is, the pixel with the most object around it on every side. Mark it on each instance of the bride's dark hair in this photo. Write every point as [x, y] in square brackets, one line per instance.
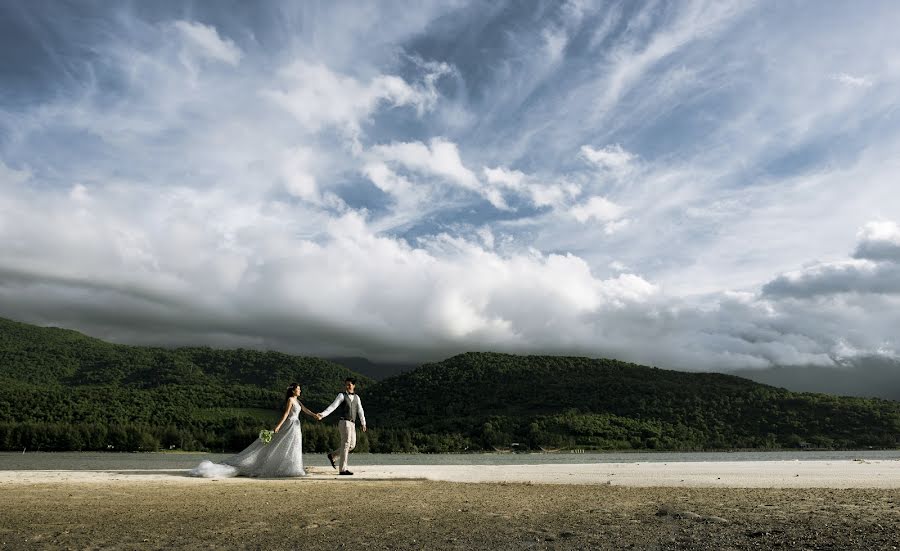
[290, 389]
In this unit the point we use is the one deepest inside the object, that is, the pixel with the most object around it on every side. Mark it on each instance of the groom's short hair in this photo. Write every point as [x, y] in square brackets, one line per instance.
[350, 380]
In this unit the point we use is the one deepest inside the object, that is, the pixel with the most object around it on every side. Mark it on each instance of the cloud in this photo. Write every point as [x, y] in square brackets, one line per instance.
[531, 189]
[387, 180]
[415, 181]
[299, 169]
[263, 285]
[319, 97]
[850, 80]
[441, 293]
[439, 158]
[879, 241]
[208, 43]
[850, 276]
[874, 268]
[11, 178]
[611, 157]
[554, 194]
[638, 53]
[300, 180]
[597, 208]
[512, 179]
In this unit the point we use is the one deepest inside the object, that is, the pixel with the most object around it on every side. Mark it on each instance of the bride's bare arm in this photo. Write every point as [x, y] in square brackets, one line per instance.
[287, 411]
[307, 411]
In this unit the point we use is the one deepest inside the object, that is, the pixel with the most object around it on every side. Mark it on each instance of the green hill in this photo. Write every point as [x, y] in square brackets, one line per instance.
[61, 390]
[544, 401]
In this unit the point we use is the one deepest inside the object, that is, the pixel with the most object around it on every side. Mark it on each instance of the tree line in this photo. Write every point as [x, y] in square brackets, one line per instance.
[60, 390]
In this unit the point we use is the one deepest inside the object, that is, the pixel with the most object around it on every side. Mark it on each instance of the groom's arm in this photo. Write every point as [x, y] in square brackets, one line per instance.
[362, 414]
[332, 407]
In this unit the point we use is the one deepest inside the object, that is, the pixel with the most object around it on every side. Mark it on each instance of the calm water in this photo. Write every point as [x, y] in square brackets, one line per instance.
[14, 461]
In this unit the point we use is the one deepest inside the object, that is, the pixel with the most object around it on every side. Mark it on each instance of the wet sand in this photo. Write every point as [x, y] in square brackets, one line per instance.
[380, 510]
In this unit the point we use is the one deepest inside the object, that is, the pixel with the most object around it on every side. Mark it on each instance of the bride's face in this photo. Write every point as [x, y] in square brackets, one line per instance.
[297, 391]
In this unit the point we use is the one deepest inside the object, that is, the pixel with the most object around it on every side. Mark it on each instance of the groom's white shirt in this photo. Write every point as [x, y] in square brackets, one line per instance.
[355, 407]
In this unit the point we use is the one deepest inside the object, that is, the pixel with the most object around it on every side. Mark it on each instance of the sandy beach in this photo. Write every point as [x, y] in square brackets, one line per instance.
[726, 505]
[858, 473]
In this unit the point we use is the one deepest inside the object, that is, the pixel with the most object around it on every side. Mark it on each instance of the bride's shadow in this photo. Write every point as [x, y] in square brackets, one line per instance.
[177, 473]
[320, 473]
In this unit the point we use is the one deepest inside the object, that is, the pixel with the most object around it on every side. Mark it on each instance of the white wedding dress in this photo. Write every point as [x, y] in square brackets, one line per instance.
[283, 456]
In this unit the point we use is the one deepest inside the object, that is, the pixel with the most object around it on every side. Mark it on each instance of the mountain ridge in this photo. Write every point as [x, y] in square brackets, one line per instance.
[201, 398]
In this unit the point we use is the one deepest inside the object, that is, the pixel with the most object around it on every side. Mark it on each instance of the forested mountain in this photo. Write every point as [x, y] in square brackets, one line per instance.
[62, 390]
[540, 401]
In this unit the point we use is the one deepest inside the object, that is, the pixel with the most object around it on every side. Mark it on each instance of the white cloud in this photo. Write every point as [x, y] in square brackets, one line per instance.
[553, 195]
[616, 226]
[188, 211]
[487, 236]
[632, 59]
[319, 97]
[299, 175]
[539, 194]
[512, 179]
[213, 268]
[79, 194]
[848, 276]
[386, 180]
[554, 43]
[879, 241]
[439, 158]
[850, 80]
[611, 157]
[444, 293]
[597, 208]
[875, 268]
[208, 43]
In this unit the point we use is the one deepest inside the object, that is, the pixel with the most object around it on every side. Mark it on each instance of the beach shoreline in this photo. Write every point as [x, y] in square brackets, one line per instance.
[835, 474]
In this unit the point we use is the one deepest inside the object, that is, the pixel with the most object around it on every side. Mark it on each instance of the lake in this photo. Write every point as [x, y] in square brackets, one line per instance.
[101, 461]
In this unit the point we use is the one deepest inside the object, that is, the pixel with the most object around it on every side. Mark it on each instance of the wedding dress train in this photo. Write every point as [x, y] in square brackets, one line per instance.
[283, 456]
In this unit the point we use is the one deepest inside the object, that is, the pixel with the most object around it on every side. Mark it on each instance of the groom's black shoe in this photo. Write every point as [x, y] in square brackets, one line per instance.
[345, 472]
[331, 459]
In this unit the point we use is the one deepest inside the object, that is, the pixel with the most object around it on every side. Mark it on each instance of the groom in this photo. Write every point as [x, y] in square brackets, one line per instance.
[351, 410]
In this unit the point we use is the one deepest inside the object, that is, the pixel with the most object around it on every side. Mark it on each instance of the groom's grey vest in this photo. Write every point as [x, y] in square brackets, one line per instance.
[348, 413]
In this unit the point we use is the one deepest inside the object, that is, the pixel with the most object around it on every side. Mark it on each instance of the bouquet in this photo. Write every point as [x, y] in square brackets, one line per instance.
[265, 436]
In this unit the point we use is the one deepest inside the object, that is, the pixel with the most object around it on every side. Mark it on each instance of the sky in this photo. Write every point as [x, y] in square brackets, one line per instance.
[692, 185]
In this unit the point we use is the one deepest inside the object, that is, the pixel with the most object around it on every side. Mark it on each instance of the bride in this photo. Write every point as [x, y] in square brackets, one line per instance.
[283, 456]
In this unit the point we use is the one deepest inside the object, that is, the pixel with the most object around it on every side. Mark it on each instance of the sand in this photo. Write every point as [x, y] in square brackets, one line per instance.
[741, 505]
[726, 474]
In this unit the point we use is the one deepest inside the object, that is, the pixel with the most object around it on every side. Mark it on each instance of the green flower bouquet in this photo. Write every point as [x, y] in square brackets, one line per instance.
[266, 436]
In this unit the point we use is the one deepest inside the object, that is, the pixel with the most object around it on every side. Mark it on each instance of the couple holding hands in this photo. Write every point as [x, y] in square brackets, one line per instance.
[283, 454]
[351, 410]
